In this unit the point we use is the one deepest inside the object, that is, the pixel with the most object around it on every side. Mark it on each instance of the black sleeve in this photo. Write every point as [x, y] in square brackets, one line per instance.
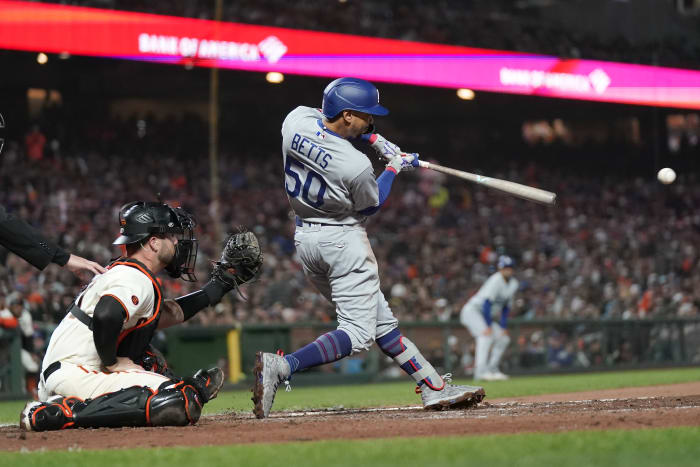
[28, 243]
[107, 323]
[210, 294]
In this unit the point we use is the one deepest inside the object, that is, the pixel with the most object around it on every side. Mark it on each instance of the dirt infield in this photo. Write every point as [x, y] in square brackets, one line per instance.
[658, 406]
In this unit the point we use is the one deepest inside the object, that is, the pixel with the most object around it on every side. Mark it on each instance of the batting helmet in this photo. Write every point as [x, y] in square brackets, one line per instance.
[505, 261]
[139, 220]
[351, 94]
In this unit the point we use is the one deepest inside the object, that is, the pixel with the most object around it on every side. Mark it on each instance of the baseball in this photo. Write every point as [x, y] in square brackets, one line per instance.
[666, 175]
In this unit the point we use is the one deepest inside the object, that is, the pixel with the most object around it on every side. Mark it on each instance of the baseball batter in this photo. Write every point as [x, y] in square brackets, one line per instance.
[99, 369]
[494, 298]
[331, 187]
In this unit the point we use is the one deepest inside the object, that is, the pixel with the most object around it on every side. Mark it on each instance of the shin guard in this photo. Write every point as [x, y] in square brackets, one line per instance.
[174, 404]
[415, 364]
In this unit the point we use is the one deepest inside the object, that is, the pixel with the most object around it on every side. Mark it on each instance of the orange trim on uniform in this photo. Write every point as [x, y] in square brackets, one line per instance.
[158, 298]
[67, 399]
[187, 403]
[81, 367]
[148, 409]
[36, 412]
[121, 303]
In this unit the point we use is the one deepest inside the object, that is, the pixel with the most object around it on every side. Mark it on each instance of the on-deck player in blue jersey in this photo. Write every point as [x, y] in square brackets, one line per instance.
[331, 187]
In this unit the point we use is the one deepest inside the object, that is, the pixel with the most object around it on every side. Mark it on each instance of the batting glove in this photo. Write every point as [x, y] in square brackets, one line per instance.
[383, 146]
[403, 162]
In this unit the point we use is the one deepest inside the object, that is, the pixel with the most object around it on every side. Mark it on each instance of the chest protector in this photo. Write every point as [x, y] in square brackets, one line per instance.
[134, 341]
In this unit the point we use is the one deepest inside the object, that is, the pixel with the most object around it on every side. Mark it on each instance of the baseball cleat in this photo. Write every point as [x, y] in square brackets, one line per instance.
[213, 379]
[492, 376]
[451, 396]
[498, 376]
[26, 416]
[270, 370]
[54, 414]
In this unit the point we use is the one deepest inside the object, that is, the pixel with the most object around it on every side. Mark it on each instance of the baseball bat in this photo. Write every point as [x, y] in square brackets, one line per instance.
[516, 189]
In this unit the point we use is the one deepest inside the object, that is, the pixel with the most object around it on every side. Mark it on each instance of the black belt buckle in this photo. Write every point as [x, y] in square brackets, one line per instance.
[50, 370]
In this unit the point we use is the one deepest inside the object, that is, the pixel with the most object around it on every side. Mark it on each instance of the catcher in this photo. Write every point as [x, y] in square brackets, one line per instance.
[99, 369]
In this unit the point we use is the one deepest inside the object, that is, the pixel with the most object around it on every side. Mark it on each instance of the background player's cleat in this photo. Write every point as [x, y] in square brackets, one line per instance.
[497, 376]
[451, 396]
[270, 370]
[492, 376]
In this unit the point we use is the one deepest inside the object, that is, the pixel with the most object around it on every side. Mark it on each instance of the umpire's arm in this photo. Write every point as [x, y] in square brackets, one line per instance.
[28, 243]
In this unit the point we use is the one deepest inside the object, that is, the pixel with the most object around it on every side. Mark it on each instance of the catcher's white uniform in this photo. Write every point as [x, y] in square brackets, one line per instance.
[80, 373]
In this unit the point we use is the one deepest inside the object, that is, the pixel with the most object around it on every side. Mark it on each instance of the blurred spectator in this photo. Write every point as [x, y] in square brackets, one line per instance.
[560, 353]
[35, 142]
[16, 315]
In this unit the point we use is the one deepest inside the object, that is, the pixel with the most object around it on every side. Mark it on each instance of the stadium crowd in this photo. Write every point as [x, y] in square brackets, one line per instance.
[601, 253]
[616, 247]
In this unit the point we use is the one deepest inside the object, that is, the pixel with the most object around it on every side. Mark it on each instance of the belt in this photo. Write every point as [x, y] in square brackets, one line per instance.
[300, 223]
[50, 370]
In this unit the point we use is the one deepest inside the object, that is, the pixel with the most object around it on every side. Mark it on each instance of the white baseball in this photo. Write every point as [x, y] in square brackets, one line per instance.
[666, 175]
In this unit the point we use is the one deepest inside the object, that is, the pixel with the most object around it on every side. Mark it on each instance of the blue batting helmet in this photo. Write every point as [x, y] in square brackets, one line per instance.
[505, 261]
[353, 94]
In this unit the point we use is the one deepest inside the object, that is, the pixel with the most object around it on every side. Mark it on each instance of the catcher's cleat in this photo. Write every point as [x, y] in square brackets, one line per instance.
[54, 414]
[211, 380]
[270, 370]
[450, 396]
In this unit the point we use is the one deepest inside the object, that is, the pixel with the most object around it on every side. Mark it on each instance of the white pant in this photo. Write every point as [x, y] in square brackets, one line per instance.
[340, 263]
[78, 381]
[489, 349]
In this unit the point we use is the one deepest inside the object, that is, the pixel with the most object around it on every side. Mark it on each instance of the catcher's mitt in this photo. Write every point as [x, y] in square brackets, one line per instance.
[241, 260]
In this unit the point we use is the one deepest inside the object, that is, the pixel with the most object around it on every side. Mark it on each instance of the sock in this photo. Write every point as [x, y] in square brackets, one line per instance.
[330, 347]
[409, 358]
[391, 343]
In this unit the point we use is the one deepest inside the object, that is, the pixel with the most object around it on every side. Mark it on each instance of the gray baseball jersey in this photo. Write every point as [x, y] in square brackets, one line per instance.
[497, 290]
[327, 180]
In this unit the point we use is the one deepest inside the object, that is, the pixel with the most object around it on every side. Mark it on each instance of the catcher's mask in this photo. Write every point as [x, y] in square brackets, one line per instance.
[139, 220]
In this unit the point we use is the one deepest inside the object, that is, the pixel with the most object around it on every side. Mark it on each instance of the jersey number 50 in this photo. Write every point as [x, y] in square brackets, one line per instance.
[305, 187]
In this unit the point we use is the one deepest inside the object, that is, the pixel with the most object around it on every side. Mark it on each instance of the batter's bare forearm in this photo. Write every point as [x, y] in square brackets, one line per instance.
[172, 314]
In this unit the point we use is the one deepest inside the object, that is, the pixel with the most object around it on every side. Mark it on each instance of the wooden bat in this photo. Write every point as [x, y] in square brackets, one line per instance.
[516, 189]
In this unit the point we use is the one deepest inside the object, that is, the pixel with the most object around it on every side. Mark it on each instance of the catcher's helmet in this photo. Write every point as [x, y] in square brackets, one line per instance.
[353, 94]
[139, 220]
